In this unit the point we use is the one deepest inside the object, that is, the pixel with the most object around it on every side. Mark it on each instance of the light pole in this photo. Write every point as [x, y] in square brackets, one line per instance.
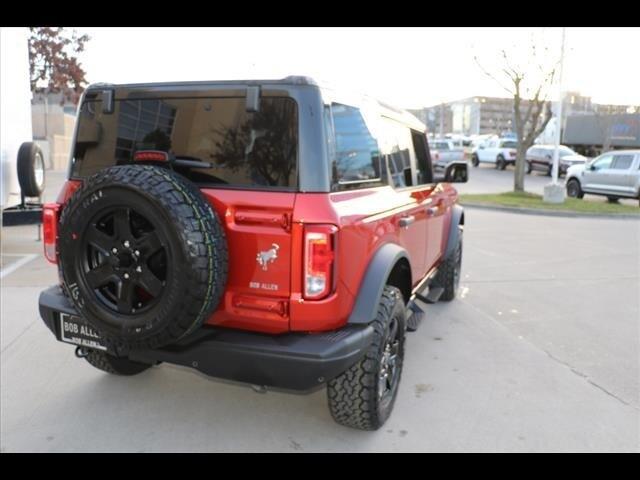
[556, 151]
[554, 192]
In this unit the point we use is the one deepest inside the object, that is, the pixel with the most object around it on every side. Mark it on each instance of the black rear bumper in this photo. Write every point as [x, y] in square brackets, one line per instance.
[292, 361]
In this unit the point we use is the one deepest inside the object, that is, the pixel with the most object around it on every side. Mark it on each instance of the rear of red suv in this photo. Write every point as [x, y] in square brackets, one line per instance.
[253, 230]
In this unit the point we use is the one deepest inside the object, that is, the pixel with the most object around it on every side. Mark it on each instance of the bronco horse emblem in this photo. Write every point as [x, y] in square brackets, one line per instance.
[263, 258]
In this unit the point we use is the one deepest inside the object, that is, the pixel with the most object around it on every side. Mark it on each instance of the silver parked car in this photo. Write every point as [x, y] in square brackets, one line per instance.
[613, 174]
[445, 151]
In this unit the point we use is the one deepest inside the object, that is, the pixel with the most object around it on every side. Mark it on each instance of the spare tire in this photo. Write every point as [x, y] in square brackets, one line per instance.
[142, 255]
[31, 169]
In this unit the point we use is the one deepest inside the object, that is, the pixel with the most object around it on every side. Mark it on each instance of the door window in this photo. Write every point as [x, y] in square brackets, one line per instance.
[357, 157]
[398, 148]
[423, 158]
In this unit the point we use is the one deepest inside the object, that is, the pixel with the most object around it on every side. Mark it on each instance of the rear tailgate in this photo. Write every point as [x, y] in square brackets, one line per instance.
[258, 229]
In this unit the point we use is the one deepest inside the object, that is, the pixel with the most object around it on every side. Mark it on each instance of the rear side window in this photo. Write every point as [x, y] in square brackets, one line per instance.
[245, 149]
[356, 162]
[622, 162]
[509, 144]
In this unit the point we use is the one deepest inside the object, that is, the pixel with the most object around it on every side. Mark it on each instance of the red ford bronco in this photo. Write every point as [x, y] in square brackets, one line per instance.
[276, 233]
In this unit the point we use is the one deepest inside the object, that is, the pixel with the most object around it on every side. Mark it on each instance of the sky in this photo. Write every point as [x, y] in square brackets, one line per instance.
[406, 67]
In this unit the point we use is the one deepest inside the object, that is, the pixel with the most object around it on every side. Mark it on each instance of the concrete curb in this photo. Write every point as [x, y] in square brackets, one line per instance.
[550, 213]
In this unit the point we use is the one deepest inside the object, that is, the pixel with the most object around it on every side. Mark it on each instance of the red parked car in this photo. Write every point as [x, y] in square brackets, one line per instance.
[268, 232]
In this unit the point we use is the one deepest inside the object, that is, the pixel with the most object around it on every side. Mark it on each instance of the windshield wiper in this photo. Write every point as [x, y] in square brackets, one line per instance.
[189, 162]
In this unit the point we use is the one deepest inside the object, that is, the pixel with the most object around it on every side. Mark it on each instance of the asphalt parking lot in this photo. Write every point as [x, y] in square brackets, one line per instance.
[540, 352]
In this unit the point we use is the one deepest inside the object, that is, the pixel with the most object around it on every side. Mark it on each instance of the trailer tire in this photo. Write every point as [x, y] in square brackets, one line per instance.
[31, 169]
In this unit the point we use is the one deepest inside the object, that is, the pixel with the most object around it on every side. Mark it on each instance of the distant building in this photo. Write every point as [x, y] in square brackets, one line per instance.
[471, 116]
[495, 115]
[53, 119]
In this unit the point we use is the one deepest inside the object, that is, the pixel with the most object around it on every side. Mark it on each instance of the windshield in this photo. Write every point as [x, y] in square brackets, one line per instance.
[245, 148]
[565, 151]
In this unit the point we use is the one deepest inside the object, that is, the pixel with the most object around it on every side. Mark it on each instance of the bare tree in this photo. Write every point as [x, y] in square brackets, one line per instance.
[529, 83]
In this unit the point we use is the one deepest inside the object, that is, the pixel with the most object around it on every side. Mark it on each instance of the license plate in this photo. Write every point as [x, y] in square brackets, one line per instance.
[77, 331]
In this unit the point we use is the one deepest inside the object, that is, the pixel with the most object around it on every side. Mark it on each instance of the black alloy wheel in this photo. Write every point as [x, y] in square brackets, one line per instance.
[126, 260]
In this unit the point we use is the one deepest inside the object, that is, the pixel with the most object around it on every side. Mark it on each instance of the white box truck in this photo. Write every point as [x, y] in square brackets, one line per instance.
[23, 167]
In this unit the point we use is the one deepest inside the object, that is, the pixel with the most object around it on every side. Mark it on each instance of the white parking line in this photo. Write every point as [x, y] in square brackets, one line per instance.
[27, 257]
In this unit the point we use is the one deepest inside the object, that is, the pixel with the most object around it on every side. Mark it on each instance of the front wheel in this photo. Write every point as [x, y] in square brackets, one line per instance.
[363, 396]
[529, 167]
[475, 161]
[573, 189]
[500, 163]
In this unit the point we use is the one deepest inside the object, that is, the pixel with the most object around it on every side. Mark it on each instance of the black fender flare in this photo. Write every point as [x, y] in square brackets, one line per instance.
[457, 218]
[374, 281]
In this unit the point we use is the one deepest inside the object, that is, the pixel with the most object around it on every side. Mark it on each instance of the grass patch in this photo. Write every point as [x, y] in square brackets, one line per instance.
[531, 200]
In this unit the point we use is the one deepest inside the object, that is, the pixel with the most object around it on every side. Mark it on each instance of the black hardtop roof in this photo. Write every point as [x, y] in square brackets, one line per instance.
[290, 80]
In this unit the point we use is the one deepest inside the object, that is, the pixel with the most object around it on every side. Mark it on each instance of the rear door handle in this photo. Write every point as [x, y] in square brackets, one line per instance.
[431, 211]
[406, 221]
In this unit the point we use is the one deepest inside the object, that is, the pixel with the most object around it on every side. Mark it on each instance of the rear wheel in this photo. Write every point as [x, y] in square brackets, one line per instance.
[363, 396]
[612, 199]
[114, 365]
[529, 167]
[449, 272]
[573, 189]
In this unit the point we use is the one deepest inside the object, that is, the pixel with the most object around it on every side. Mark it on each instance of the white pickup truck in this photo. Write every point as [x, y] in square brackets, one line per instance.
[499, 151]
[445, 151]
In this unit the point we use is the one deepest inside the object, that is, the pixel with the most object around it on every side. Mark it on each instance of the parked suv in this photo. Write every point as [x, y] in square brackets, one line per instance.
[268, 232]
[499, 151]
[540, 157]
[613, 174]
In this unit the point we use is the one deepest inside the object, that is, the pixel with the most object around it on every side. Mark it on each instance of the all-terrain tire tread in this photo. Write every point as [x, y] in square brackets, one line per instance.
[199, 228]
[446, 276]
[352, 396]
[121, 366]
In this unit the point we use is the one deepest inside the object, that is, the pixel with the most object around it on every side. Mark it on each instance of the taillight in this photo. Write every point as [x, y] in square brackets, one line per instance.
[150, 156]
[319, 256]
[50, 230]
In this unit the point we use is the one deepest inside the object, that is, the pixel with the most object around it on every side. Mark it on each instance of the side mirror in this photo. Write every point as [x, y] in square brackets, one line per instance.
[481, 147]
[456, 172]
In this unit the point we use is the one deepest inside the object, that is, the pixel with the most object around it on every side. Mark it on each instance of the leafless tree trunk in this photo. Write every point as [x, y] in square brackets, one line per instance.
[532, 111]
[604, 123]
